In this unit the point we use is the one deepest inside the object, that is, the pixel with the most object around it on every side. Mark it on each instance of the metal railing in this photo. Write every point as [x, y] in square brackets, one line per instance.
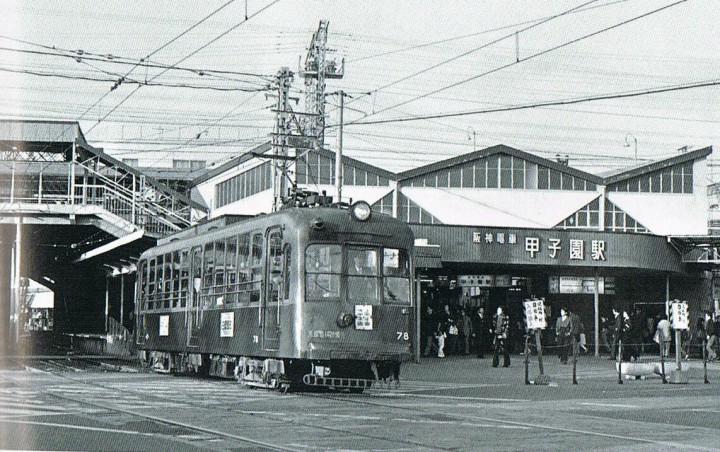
[140, 205]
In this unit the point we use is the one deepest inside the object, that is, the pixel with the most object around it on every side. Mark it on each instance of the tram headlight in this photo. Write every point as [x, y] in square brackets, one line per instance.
[360, 211]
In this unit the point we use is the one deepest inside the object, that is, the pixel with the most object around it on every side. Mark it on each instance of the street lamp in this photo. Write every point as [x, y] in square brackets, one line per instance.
[471, 136]
[627, 143]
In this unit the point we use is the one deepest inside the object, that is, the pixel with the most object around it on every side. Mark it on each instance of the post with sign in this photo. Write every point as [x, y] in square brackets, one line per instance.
[536, 321]
[679, 322]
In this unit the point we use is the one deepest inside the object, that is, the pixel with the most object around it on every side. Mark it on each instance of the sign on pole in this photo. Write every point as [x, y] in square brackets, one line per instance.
[679, 315]
[535, 314]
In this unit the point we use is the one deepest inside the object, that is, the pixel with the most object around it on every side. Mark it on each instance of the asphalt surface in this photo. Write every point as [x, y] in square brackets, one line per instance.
[454, 403]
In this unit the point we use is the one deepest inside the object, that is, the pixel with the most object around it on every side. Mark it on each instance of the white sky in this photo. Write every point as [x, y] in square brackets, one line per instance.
[385, 44]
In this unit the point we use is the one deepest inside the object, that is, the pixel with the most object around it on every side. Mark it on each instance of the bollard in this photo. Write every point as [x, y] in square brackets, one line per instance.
[527, 360]
[705, 361]
[575, 358]
[619, 361]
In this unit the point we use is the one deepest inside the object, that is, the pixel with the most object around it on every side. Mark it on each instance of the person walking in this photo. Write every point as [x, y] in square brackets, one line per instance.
[621, 325]
[711, 336]
[664, 335]
[501, 331]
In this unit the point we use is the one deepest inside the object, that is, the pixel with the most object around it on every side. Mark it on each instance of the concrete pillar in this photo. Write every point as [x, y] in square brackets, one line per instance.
[6, 242]
[596, 300]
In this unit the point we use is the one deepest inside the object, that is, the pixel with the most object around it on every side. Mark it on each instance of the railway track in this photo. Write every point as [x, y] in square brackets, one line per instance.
[212, 435]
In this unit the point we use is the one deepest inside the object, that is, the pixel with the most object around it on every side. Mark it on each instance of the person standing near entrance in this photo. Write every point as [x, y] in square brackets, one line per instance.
[480, 331]
[563, 333]
[501, 330]
[465, 329]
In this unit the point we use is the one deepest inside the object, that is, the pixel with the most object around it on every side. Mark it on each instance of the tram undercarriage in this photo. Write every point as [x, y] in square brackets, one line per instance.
[280, 374]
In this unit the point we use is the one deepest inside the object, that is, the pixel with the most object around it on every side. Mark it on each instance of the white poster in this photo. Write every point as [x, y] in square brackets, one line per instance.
[227, 324]
[535, 314]
[363, 317]
[164, 325]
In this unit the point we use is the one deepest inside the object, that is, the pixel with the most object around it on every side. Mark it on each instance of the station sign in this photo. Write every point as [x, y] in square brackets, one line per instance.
[535, 314]
[580, 285]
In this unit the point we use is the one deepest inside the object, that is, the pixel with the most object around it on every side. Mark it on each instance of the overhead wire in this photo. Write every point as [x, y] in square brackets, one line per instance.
[521, 60]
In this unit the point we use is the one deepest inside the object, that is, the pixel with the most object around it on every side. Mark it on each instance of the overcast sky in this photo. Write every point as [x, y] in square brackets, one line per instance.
[404, 59]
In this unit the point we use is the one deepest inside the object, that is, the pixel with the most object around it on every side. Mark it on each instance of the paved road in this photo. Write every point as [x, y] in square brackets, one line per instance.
[458, 403]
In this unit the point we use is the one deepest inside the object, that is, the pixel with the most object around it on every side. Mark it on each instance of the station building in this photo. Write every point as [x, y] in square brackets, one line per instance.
[500, 225]
[492, 227]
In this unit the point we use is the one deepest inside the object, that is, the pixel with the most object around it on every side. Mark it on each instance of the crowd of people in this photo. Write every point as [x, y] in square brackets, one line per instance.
[450, 329]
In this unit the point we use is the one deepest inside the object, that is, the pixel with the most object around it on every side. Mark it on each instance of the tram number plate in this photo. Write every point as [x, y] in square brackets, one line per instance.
[403, 335]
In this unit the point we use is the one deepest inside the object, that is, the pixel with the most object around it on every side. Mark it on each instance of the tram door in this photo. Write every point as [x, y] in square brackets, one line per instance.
[274, 289]
[193, 305]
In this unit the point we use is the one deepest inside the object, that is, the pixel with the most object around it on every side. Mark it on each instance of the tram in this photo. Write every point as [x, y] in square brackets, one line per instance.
[307, 296]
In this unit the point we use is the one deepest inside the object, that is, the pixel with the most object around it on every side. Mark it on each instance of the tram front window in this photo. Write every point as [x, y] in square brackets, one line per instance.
[396, 276]
[322, 272]
[362, 279]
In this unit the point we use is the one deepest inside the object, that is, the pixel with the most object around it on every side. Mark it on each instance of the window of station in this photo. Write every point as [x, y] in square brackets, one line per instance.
[617, 220]
[586, 218]
[322, 272]
[503, 171]
[243, 185]
[410, 212]
[384, 205]
[676, 179]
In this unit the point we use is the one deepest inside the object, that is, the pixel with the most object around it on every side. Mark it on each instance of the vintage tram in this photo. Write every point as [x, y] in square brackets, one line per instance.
[315, 296]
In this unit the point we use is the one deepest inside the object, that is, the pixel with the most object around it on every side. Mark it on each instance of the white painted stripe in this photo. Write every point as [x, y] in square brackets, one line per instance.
[78, 427]
[610, 405]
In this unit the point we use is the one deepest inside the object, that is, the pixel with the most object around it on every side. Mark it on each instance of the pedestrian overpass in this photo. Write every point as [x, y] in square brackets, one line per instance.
[75, 219]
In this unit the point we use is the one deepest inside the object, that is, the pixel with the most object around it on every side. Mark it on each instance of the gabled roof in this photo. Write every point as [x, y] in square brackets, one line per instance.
[232, 163]
[263, 148]
[498, 149]
[40, 136]
[625, 174]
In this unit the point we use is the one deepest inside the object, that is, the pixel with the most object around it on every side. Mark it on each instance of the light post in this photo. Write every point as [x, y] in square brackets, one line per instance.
[627, 143]
[471, 136]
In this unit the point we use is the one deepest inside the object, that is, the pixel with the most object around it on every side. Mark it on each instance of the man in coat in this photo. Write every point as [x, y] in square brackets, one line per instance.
[501, 331]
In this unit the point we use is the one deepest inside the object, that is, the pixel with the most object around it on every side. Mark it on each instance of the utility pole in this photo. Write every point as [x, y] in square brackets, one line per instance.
[281, 137]
[317, 69]
[338, 154]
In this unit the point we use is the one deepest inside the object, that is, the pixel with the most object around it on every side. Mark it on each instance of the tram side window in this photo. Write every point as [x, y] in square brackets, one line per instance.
[208, 267]
[322, 272]
[231, 270]
[362, 280]
[142, 286]
[151, 284]
[396, 276]
[167, 280]
[176, 279]
[275, 254]
[244, 275]
[256, 261]
[219, 282]
[184, 277]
